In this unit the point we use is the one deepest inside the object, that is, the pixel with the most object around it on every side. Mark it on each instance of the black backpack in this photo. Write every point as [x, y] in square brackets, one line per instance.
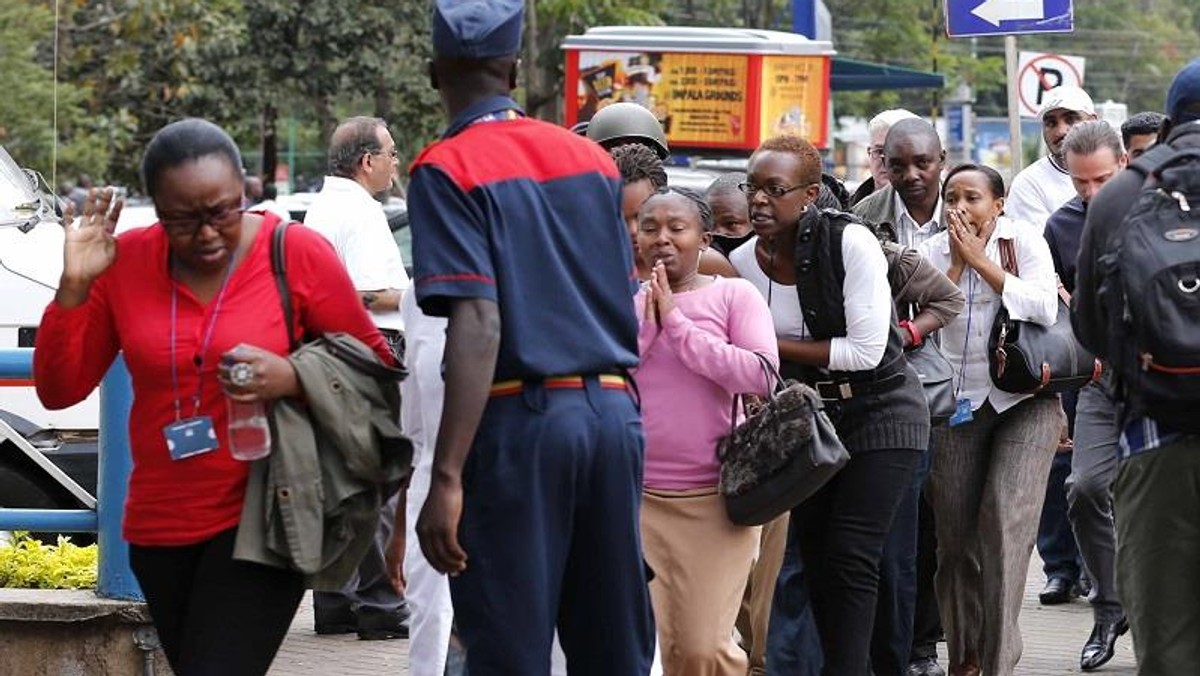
[1151, 283]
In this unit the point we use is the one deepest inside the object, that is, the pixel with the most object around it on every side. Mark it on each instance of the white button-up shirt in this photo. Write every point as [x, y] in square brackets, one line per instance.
[909, 232]
[1031, 297]
[354, 222]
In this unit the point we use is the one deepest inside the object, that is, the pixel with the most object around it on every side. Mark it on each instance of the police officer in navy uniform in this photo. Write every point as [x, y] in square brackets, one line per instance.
[534, 500]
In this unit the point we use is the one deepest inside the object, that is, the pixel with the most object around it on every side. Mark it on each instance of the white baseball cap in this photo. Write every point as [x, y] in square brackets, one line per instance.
[1067, 97]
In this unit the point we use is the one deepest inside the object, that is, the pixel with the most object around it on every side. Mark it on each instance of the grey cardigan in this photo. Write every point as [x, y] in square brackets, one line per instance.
[313, 504]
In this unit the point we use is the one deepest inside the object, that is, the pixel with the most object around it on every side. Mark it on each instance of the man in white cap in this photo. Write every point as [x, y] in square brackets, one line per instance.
[1036, 193]
[1044, 186]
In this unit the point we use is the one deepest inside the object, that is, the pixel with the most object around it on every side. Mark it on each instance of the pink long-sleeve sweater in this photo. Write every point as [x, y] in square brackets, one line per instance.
[691, 367]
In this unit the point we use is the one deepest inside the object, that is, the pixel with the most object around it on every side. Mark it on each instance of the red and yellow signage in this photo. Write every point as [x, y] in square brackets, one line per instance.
[705, 100]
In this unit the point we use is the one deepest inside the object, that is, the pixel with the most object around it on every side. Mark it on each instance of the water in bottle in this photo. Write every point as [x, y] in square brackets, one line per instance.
[249, 430]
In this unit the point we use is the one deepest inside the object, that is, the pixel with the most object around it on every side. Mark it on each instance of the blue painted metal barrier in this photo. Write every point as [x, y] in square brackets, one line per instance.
[115, 579]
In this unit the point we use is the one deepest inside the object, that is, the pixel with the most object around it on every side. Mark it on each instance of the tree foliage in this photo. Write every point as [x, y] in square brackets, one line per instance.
[127, 67]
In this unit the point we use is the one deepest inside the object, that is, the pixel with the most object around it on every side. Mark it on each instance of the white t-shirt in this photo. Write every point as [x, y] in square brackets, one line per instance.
[353, 221]
[1038, 191]
[865, 292]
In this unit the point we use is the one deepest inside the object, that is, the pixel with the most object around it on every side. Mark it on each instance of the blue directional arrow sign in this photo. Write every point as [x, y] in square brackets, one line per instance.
[967, 18]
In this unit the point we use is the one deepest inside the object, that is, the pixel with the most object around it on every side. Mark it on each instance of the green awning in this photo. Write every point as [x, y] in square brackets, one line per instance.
[849, 75]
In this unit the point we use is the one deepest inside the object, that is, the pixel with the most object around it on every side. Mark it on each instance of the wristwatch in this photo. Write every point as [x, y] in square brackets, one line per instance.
[368, 299]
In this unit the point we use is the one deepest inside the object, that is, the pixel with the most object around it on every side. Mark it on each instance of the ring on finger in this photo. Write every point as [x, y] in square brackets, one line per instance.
[241, 374]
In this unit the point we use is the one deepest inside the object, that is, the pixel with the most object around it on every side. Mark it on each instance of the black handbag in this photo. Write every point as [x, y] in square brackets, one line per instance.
[1028, 358]
[937, 379]
[780, 455]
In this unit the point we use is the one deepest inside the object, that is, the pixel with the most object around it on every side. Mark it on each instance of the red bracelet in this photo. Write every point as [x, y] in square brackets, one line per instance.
[913, 331]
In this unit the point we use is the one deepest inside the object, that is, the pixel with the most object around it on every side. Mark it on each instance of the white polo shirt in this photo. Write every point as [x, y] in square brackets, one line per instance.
[354, 222]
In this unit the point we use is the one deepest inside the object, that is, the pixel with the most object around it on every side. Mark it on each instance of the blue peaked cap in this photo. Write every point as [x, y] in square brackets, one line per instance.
[477, 29]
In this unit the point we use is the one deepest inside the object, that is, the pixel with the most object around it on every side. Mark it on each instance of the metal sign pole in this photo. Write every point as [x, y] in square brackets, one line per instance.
[1014, 113]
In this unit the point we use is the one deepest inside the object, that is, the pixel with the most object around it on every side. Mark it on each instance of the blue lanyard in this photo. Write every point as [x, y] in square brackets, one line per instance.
[208, 332]
[962, 362]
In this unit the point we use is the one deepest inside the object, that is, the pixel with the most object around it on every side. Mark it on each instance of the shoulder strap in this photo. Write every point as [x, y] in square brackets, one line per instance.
[1008, 256]
[279, 268]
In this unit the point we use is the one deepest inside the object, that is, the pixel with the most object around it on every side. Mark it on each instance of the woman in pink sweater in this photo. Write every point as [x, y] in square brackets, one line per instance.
[700, 342]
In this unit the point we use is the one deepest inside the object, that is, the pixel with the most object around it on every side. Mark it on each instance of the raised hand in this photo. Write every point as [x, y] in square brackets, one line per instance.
[90, 247]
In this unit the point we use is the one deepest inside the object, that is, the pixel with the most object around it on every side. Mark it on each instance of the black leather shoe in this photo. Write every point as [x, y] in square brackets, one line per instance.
[926, 666]
[1058, 590]
[383, 625]
[1101, 644]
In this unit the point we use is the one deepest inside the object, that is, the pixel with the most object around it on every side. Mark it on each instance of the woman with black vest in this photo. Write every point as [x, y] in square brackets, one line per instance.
[825, 281]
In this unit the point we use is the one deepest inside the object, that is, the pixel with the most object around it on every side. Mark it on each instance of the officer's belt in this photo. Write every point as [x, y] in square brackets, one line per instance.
[607, 381]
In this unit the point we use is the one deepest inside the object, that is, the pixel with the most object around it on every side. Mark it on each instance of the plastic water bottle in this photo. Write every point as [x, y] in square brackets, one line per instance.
[249, 430]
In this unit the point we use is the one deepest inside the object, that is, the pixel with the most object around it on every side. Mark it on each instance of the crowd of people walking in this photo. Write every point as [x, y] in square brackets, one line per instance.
[578, 335]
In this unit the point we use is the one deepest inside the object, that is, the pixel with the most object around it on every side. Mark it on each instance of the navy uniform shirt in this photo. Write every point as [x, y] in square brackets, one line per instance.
[527, 214]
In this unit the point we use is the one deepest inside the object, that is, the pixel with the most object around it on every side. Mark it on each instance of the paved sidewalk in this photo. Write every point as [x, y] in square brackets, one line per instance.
[1053, 637]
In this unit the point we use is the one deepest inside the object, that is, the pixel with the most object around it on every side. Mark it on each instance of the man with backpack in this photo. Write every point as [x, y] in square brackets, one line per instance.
[1136, 305]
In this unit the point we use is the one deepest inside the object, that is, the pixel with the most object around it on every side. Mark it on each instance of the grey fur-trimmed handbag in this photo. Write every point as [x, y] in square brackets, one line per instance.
[780, 455]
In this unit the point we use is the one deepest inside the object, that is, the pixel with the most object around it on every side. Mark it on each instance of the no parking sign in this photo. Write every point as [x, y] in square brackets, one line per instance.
[1038, 73]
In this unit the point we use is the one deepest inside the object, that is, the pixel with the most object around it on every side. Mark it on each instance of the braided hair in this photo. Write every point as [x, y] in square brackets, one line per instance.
[702, 209]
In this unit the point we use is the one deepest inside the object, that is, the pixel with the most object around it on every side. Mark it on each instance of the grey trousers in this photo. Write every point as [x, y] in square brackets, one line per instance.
[1089, 496]
[986, 486]
[1158, 555]
[369, 590]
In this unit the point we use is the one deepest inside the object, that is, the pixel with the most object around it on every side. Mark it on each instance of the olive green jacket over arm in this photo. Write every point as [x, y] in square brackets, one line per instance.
[313, 504]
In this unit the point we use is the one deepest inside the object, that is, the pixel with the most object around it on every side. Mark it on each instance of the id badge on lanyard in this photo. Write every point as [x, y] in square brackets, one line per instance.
[962, 405]
[195, 435]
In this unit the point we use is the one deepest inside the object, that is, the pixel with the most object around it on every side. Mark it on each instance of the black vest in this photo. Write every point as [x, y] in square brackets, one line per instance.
[820, 273]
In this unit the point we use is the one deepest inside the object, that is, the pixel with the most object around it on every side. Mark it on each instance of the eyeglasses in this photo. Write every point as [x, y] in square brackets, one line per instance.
[393, 153]
[875, 152]
[774, 190]
[220, 218]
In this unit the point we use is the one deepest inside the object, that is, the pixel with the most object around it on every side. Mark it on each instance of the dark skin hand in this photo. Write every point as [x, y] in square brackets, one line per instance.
[472, 344]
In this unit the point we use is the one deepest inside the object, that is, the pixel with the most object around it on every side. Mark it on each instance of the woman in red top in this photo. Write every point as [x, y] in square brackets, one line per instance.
[175, 298]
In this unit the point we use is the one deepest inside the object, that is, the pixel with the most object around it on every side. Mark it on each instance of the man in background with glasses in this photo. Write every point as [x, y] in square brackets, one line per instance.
[362, 164]
[878, 129]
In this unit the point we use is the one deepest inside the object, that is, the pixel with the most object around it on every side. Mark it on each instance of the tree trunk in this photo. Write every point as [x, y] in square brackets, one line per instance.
[270, 144]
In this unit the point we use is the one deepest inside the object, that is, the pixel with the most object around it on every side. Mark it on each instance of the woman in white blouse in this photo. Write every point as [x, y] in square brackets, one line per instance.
[990, 463]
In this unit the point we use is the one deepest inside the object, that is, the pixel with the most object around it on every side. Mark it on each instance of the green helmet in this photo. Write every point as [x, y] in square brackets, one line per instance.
[625, 122]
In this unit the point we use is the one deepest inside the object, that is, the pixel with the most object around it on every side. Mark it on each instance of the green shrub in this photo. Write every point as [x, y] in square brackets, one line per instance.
[27, 563]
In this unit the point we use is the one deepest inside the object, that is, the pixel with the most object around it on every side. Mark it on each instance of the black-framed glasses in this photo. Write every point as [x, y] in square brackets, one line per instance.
[774, 190]
[220, 218]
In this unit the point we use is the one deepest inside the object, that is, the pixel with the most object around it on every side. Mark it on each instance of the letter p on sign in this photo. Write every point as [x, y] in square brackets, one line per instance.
[1038, 73]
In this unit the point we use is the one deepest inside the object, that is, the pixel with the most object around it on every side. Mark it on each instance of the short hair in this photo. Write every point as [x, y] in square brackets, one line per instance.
[637, 162]
[887, 118]
[726, 184]
[1090, 136]
[911, 128]
[995, 180]
[353, 138]
[702, 209]
[186, 140]
[1145, 122]
[810, 159]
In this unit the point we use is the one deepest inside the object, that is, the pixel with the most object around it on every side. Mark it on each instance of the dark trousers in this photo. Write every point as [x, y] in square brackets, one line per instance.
[552, 494]
[793, 644]
[839, 534]
[927, 621]
[892, 638]
[215, 615]
[1055, 539]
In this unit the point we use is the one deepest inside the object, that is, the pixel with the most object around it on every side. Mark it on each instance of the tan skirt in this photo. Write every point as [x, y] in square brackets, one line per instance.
[701, 561]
